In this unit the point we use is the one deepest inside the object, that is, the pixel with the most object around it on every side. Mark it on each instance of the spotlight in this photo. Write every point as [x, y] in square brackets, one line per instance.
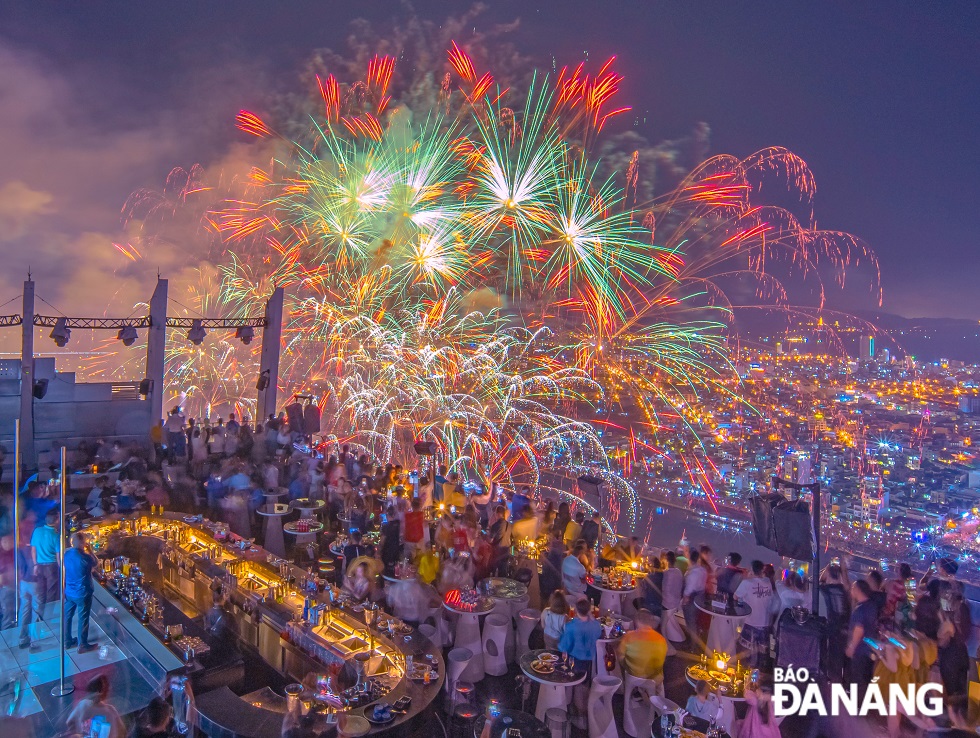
[128, 335]
[61, 332]
[245, 334]
[263, 381]
[197, 333]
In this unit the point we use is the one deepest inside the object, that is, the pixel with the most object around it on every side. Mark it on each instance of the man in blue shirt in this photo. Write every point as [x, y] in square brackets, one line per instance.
[520, 502]
[47, 549]
[580, 635]
[79, 564]
[578, 641]
[440, 479]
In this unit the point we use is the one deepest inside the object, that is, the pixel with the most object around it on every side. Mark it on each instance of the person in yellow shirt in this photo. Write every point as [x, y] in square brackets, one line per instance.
[573, 531]
[427, 565]
[453, 494]
[642, 651]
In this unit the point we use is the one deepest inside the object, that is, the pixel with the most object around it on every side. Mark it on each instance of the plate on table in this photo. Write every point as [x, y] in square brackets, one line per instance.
[380, 717]
[719, 676]
[548, 658]
[542, 667]
[403, 629]
[699, 674]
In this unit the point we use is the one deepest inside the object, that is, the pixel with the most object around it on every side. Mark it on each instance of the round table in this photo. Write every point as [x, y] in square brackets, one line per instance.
[273, 515]
[725, 624]
[468, 635]
[271, 498]
[529, 725]
[510, 597]
[552, 691]
[305, 536]
[611, 599]
[307, 507]
[501, 588]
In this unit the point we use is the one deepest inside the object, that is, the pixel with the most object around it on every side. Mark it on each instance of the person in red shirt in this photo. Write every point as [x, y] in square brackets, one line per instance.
[461, 541]
[415, 529]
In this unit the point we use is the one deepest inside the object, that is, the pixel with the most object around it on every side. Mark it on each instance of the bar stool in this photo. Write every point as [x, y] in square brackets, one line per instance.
[518, 604]
[527, 621]
[661, 706]
[495, 630]
[670, 628]
[464, 717]
[445, 631]
[502, 607]
[457, 661]
[602, 721]
[599, 664]
[636, 709]
[556, 720]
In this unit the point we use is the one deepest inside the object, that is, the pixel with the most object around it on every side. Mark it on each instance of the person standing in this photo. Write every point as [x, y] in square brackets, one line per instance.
[694, 583]
[573, 574]
[863, 624]
[757, 592]
[47, 552]
[578, 641]
[175, 434]
[80, 562]
[30, 605]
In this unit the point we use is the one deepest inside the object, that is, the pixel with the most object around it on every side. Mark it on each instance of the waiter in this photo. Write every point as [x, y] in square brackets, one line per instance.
[79, 564]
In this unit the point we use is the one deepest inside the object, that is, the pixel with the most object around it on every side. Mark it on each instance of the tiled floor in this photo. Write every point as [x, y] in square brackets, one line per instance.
[33, 668]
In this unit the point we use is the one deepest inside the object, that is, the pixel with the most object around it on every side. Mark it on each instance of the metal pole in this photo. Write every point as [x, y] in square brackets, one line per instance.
[815, 577]
[16, 521]
[62, 689]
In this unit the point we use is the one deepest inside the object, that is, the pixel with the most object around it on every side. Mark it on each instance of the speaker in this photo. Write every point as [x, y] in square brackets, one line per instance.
[762, 507]
[426, 448]
[40, 388]
[589, 485]
[793, 526]
[263, 382]
[146, 387]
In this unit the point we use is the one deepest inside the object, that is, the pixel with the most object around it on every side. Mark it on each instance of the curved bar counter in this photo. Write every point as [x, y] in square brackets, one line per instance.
[159, 573]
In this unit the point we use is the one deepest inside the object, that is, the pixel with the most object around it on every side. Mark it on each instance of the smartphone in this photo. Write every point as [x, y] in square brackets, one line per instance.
[384, 517]
[402, 702]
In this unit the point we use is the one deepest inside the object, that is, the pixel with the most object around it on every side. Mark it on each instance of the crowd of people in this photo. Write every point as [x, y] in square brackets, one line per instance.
[433, 532]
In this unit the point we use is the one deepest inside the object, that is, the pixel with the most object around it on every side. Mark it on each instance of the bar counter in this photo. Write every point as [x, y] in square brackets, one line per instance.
[159, 572]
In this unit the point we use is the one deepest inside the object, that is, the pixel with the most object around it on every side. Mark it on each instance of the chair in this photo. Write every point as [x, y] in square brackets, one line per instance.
[519, 604]
[464, 717]
[636, 703]
[669, 627]
[457, 661]
[502, 607]
[495, 631]
[599, 663]
[556, 720]
[527, 621]
[445, 631]
[602, 721]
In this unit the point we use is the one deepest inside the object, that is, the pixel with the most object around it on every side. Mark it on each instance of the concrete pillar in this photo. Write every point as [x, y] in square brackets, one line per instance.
[28, 451]
[156, 350]
[271, 344]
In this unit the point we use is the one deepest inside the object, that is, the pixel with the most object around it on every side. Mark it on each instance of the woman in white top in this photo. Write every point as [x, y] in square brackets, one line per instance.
[553, 620]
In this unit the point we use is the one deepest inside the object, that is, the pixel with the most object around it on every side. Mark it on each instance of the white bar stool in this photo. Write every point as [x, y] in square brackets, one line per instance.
[495, 630]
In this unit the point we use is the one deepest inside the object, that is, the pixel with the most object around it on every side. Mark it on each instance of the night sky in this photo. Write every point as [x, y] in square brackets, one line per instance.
[882, 100]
